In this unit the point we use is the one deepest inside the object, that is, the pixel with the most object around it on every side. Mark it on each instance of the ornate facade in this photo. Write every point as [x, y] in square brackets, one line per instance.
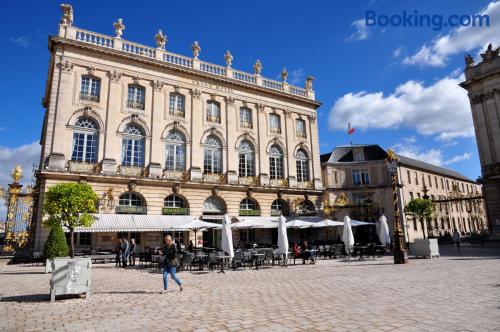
[156, 132]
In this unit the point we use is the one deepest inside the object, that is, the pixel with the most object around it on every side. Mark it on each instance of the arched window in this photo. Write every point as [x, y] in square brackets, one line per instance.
[275, 163]
[213, 111]
[214, 205]
[302, 166]
[176, 104]
[175, 201]
[175, 155]
[213, 156]
[85, 139]
[246, 159]
[278, 207]
[133, 146]
[131, 199]
[249, 207]
[136, 97]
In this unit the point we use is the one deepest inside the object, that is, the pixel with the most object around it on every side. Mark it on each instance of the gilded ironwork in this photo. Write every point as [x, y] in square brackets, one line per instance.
[17, 173]
[278, 182]
[175, 175]
[305, 184]
[82, 167]
[248, 180]
[341, 200]
[132, 171]
[214, 177]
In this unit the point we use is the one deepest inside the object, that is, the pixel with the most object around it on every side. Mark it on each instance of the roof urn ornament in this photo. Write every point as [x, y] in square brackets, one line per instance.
[119, 27]
[490, 53]
[228, 58]
[284, 74]
[196, 49]
[309, 83]
[469, 61]
[257, 67]
[67, 10]
[160, 39]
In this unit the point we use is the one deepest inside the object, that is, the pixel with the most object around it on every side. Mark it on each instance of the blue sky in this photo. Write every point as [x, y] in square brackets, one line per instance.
[397, 86]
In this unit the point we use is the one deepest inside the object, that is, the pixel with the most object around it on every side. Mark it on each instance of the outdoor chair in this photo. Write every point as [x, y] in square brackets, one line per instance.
[321, 251]
[238, 260]
[213, 261]
[337, 251]
[248, 259]
[327, 251]
[186, 262]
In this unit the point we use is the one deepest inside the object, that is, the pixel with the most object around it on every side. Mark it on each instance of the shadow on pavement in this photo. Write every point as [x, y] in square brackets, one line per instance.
[26, 298]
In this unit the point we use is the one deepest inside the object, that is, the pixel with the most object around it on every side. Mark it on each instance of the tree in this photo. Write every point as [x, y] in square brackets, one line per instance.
[420, 209]
[56, 245]
[70, 205]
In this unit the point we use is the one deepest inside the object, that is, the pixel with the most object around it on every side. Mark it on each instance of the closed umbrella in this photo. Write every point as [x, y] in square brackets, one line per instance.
[282, 238]
[347, 235]
[383, 231]
[227, 236]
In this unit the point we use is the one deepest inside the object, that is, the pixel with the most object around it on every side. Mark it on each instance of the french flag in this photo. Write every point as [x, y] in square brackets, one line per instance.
[350, 130]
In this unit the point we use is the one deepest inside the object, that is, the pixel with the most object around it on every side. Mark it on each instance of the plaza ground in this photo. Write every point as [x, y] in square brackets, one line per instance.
[458, 292]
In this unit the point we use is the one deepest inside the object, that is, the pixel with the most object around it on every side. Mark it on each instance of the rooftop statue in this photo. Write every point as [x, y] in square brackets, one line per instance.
[67, 11]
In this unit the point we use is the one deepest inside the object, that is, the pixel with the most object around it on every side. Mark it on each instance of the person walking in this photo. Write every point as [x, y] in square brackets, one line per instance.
[170, 263]
[125, 251]
[132, 253]
[457, 238]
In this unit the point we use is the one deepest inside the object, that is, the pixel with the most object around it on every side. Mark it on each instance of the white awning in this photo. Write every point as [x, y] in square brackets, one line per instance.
[135, 223]
[256, 222]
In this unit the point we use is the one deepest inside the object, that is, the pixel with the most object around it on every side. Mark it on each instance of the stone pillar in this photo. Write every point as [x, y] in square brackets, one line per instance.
[156, 144]
[231, 116]
[112, 148]
[196, 134]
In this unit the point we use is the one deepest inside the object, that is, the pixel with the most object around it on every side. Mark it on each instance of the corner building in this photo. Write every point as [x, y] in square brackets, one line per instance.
[157, 133]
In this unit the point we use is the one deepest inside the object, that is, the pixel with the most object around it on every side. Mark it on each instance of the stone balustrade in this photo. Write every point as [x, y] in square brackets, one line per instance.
[131, 171]
[82, 167]
[305, 184]
[278, 182]
[214, 178]
[174, 175]
[158, 53]
[248, 181]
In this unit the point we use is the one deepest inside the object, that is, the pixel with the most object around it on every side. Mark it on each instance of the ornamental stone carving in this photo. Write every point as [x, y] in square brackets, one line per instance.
[136, 80]
[157, 85]
[469, 61]
[257, 67]
[114, 76]
[196, 49]
[228, 58]
[91, 70]
[65, 66]
[119, 27]
[312, 118]
[196, 93]
[67, 10]
[309, 83]
[490, 53]
[284, 74]
[160, 39]
[230, 100]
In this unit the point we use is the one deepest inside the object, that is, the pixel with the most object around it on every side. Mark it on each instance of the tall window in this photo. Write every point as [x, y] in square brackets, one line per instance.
[300, 128]
[85, 138]
[130, 199]
[436, 181]
[408, 176]
[175, 201]
[90, 88]
[430, 181]
[365, 176]
[213, 111]
[133, 146]
[302, 166]
[135, 97]
[275, 163]
[213, 156]
[246, 117]
[175, 154]
[278, 207]
[176, 104]
[246, 159]
[356, 177]
[274, 123]
[416, 178]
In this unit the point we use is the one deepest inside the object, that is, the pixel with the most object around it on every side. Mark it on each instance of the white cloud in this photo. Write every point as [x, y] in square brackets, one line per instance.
[397, 52]
[431, 156]
[361, 31]
[455, 159]
[459, 40]
[22, 41]
[440, 109]
[24, 155]
[296, 76]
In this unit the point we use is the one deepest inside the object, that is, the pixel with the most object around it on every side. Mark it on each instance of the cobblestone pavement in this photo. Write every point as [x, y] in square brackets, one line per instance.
[457, 292]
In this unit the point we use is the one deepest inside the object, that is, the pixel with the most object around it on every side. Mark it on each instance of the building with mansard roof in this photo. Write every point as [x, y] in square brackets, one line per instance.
[163, 138]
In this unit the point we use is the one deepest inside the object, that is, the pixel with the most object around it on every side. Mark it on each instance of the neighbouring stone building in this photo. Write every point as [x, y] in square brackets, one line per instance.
[356, 177]
[482, 81]
[162, 134]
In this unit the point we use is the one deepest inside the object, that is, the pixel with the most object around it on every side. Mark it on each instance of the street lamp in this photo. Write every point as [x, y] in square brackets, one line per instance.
[400, 253]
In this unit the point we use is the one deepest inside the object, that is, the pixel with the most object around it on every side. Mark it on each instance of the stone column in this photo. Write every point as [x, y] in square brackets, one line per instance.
[231, 136]
[112, 148]
[196, 134]
[156, 144]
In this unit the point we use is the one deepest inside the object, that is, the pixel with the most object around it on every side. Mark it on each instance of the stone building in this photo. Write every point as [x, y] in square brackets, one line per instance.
[482, 81]
[359, 174]
[162, 134]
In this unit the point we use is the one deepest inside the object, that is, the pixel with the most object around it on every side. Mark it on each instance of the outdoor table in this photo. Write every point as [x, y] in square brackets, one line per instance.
[256, 261]
[361, 249]
[222, 258]
[380, 249]
[200, 258]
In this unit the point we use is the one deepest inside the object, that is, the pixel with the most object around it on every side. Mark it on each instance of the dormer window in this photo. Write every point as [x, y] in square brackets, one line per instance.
[358, 156]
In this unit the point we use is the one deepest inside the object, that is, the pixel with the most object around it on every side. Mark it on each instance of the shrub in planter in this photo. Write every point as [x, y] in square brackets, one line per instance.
[56, 245]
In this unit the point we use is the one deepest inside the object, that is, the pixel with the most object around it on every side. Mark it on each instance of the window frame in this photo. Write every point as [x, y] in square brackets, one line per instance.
[212, 156]
[90, 91]
[137, 142]
[178, 148]
[276, 163]
[84, 135]
[136, 97]
[176, 104]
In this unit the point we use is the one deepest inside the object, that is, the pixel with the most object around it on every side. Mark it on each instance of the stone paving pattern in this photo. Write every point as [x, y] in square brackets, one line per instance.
[457, 292]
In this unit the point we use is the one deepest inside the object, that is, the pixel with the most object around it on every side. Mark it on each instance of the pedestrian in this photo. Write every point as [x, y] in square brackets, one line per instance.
[118, 252]
[170, 264]
[191, 246]
[125, 251]
[457, 238]
[132, 253]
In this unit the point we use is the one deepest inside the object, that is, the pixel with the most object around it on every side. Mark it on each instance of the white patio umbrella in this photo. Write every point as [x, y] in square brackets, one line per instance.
[227, 237]
[383, 231]
[327, 223]
[297, 223]
[347, 235]
[282, 236]
[197, 225]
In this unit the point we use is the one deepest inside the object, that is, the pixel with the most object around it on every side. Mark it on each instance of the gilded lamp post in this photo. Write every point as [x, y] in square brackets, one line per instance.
[400, 253]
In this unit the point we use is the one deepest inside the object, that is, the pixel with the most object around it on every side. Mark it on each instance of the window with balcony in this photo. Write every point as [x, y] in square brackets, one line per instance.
[275, 163]
[133, 146]
[246, 118]
[85, 139]
[175, 154]
[90, 88]
[246, 155]
[302, 163]
[274, 123]
[213, 111]
[176, 104]
[300, 128]
[136, 97]
[212, 156]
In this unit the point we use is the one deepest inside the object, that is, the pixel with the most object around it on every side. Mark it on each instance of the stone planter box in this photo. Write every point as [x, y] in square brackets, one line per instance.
[70, 276]
[426, 248]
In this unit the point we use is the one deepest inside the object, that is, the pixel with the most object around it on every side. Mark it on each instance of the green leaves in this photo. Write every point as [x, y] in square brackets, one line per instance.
[420, 208]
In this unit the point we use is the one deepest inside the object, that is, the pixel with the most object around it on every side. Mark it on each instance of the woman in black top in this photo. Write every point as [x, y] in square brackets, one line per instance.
[170, 264]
